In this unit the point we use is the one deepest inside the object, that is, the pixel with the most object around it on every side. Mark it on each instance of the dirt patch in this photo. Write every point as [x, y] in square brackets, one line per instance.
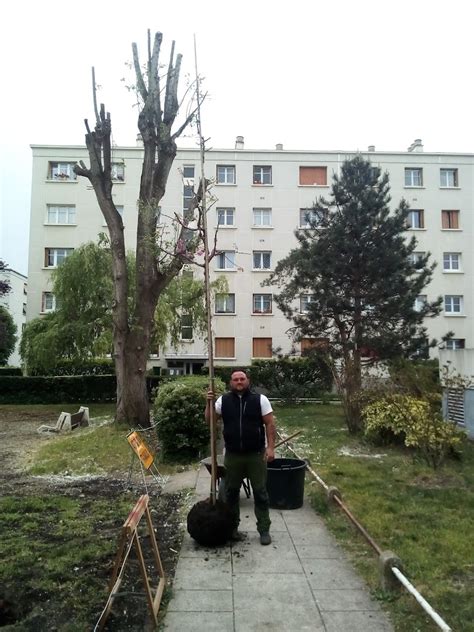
[438, 481]
[46, 595]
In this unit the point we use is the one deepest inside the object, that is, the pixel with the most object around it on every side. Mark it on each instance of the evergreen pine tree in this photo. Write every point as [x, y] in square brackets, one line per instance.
[354, 264]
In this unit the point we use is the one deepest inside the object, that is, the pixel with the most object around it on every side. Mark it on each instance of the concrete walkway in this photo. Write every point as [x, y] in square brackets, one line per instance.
[302, 581]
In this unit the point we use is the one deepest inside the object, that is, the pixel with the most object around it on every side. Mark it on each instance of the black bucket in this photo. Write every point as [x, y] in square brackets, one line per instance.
[285, 483]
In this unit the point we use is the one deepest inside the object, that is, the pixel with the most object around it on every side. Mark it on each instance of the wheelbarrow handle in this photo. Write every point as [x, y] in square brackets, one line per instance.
[277, 445]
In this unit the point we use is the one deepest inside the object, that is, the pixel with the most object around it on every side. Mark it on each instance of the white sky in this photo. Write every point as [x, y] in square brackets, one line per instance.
[310, 74]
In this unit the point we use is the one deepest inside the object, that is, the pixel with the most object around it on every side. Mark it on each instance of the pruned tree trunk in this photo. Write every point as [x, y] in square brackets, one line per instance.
[155, 269]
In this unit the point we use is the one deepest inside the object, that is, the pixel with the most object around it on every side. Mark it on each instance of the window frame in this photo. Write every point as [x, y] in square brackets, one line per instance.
[261, 255]
[262, 299]
[411, 172]
[223, 255]
[445, 171]
[227, 210]
[452, 216]
[55, 252]
[448, 257]
[421, 218]
[258, 179]
[57, 174]
[229, 169]
[44, 297]
[459, 344]
[119, 177]
[420, 302]
[262, 210]
[453, 297]
[225, 297]
[70, 209]
[186, 326]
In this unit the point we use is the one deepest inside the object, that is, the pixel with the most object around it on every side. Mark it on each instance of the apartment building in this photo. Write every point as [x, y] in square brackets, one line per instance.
[260, 198]
[15, 302]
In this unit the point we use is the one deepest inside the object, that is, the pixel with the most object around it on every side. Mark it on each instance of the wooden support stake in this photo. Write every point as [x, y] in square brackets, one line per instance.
[129, 537]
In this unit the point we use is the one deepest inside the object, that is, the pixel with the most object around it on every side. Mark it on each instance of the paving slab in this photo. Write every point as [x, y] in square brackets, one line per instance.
[302, 581]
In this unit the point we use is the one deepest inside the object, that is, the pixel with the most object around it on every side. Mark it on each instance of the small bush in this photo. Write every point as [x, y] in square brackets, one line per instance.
[179, 416]
[415, 420]
[10, 370]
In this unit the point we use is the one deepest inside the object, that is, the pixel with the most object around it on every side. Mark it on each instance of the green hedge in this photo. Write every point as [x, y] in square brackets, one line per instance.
[10, 370]
[286, 378]
[95, 366]
[63, 389]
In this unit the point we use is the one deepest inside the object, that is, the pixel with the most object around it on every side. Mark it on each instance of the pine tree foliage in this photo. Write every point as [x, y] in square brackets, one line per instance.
[354, 264]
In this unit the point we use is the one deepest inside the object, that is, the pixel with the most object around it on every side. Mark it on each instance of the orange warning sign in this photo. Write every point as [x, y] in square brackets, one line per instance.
[141, 450]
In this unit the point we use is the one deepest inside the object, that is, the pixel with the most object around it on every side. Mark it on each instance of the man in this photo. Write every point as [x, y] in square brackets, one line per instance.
[247, 419]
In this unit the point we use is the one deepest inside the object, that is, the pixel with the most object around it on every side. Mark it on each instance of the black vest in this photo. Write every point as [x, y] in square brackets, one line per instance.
[243, 424]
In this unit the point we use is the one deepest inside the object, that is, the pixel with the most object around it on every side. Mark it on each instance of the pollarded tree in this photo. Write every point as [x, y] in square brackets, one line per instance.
[156, 265]
[354, 272]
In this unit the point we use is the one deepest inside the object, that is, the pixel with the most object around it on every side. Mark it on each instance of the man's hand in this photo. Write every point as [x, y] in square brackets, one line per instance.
[269, 454]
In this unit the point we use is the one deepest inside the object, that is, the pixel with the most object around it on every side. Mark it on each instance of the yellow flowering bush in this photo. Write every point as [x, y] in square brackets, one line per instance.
[416, 422]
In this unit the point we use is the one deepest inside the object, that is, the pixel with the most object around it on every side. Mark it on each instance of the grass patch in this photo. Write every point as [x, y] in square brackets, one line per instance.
[425, 517]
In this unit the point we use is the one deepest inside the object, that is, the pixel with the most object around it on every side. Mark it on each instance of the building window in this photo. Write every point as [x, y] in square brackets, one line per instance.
[226, 174]
[305, 300]
[188, 197]
[261, 347]
[448, 178]
[62, 171]
[414, 177]
[420, 302]
[262, 303]
[55, 256]
[188, 172]
[451, 261]
[455, 343]
[186, 327]
[262, 175]
[314, 176]
[453, 304]
[310, 217]
[61, 215]
[416, 219]
[118, 171]
[262, 260]
[225, 304]
[450, 219]
[224, 347]
[416, 259]
[225, 216]
[225, 260]
[48, 302]
[262, 216]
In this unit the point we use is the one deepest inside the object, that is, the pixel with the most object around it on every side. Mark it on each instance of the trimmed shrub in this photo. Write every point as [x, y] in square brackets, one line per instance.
[179, 416]
[415, 421]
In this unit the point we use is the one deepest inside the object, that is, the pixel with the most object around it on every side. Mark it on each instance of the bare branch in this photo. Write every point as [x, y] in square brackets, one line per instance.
[138, 73]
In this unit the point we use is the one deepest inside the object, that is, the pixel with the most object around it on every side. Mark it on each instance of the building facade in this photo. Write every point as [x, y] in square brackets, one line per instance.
[16, 303]
[259, 198]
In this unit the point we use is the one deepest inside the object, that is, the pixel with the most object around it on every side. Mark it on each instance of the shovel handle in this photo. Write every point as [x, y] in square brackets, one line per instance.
[288, 438]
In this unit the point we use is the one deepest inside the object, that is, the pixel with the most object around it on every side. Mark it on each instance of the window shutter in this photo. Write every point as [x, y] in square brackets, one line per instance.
[225, 347]
[311, 176]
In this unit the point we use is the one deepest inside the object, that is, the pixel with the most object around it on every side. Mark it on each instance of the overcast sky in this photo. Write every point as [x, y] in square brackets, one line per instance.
[310, 74]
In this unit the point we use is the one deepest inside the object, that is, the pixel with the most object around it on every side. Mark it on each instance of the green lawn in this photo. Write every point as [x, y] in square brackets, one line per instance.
[425, 517]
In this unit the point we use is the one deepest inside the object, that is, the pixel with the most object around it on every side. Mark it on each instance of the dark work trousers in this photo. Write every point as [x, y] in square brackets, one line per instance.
[254, 467]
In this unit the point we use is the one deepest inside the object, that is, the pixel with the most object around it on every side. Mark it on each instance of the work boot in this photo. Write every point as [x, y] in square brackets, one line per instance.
[265, 538]
[236, 536]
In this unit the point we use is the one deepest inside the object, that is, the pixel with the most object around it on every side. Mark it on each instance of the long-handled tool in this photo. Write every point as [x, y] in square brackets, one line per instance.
[210, 522]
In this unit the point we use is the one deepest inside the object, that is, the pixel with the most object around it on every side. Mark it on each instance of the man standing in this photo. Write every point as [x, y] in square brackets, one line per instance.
[248, 419]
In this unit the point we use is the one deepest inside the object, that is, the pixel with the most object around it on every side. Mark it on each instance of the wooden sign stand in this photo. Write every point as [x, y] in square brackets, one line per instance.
[129, 538]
